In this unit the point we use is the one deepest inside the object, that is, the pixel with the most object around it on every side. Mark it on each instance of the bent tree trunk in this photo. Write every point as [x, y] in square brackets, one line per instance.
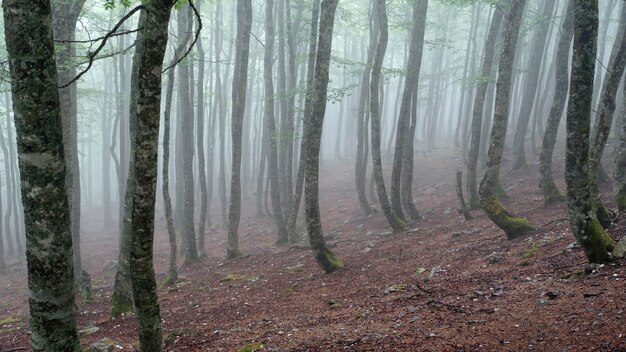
[602, 126]
[585, 226]
[240, 78]
[548, 188]
[513, 226]
[28, 34]
[325, 258]
[381, 11]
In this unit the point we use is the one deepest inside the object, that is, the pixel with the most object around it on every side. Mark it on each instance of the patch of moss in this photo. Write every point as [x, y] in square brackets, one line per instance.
[513, 226]
[237, 277]
[9, 320]
[328, 260]
[603, 215]
[252, 347]
[595, 242]
[120, 306]
[531, 252]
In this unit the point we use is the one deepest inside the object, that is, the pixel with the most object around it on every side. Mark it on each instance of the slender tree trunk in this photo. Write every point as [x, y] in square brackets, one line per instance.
[36, 106]
[602, 125]
[513, 226]
[240, 84]
[313, 133]
[200, 146]
[586, 228]
[477, 112]
[405, 124]
[396, 223]
[550, 192]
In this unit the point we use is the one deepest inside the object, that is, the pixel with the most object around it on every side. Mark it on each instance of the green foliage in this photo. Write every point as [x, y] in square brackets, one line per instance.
[111, 4]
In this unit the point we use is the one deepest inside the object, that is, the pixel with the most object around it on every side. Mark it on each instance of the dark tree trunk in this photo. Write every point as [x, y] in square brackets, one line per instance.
[585, 226]
[313, 133]
[513, 226]
[200, 146]
[550, 192]
[240, 83]
[30, 47]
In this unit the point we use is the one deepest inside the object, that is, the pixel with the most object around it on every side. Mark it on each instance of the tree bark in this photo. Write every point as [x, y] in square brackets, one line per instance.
[586, 228]
[36, 106]
[513, 226]
[240, 77]
[313, 133]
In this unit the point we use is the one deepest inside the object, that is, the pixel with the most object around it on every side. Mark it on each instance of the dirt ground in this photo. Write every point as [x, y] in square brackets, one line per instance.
[445, 284]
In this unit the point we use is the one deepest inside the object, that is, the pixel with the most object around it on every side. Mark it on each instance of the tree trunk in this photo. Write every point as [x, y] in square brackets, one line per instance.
[586, 228]
[36, 105]
[405, 124]
[396, 223]
[530, 88]
[602, 126]
[551, 194]
[477, 112]
[513, 226]
[240, 83]
[313, 133]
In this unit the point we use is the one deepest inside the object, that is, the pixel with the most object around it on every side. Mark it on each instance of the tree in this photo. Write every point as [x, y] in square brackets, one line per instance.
[513, 226]
[244, 26]
[538, 44]
[404, 139]
[36, 104]
[269, 125]
[586, 228]
[479, 103]
[313, 133]
[393, 218]
[548, 188]
[604, 120]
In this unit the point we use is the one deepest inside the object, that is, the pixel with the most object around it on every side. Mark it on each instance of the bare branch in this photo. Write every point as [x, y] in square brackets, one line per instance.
[195, 39]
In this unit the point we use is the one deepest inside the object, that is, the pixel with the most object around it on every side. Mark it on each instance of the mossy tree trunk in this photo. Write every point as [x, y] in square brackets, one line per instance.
[585, 226]
[145, 110]
[537, 47]
[30, 47]
[406, 125]
[240, 84]
[380, 10]
[513, 226]
[619, 172]
[477, 112]
[324, 256]
[269, 125]
[602, 126]
[550, 192]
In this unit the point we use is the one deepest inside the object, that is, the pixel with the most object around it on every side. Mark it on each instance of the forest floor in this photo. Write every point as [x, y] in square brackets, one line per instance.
[445, 284]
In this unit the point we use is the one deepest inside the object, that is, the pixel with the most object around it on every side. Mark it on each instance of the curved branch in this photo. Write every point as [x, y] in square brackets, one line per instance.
[93, 54]
[195, 39]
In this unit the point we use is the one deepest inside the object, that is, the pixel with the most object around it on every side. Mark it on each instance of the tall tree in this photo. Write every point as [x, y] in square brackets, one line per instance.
[64, 18]
[36, 106]
[561, 76]
[313, 135]
[240, 84]
[513, 226]
[604, 120]
[538, 44]
[392, 217]
[586, 228]
[145, 109]
[269, 125]
[479, 103]
[403, 137]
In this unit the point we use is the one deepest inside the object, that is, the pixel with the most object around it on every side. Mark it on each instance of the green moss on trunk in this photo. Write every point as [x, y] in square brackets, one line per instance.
[603, 215]
[328, 261]
[120, 305]
[512, 225]
[595, 242]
